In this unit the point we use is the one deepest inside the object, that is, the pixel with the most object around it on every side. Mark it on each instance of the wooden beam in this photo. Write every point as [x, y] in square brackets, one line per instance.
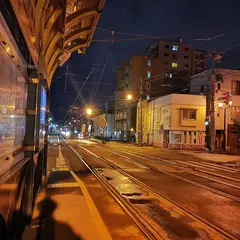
[50, 22]
[52, 71]
[79, 15]
[51, 46]
[76, 34]
[53, 58]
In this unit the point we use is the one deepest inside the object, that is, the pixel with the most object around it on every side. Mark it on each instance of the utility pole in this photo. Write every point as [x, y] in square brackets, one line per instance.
[141, 117]
[215, 56]
[212, 122]
[224, 128]
[106, 105]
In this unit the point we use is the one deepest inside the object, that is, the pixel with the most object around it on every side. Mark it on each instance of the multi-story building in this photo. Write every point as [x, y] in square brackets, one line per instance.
[178, 58]
[227, 82]
[165, 68]
[173, 121]
[75, 119]
[128, 82]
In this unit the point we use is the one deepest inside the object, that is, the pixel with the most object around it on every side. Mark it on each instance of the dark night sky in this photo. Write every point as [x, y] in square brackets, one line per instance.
[191, 19]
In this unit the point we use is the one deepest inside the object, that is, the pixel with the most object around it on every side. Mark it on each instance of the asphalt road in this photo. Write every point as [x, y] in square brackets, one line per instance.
[200, 199]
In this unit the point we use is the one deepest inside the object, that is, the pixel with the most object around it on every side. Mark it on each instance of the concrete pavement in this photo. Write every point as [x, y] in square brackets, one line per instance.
[64, 208]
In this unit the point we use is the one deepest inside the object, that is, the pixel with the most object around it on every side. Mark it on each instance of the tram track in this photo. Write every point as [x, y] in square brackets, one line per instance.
[139, 220]
[194, 166]
[214, 190]
[153, 192]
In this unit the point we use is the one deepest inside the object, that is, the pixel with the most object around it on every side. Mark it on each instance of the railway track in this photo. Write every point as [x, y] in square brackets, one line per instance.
[187, 164]
[149, 230]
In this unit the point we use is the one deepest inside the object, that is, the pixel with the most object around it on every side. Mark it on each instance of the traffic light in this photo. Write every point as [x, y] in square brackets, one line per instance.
[227, 98]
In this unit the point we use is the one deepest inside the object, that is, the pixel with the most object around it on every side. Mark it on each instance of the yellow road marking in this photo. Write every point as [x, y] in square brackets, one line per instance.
[93, 209]
[62, 185]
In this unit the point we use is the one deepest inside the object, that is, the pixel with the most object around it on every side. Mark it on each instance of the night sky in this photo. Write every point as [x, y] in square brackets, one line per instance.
[188, 19]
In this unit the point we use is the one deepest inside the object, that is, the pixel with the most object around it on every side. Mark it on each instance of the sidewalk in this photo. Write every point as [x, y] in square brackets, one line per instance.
[64, 208]
[215, 157]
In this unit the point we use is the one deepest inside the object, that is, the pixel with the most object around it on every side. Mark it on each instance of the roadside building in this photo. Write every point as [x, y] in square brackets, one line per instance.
[173, 121]
[128, 82]
[227, 102]
[74, 119]
[166, 67]
[103, 125]
[177, 56]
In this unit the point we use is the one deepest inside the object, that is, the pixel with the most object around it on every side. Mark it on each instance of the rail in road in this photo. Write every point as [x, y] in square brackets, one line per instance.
[143, 219]
[231, 187]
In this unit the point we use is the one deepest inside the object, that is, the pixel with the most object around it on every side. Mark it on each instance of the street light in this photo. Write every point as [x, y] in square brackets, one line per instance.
[220, 104]
[89, 111]
[129, 97]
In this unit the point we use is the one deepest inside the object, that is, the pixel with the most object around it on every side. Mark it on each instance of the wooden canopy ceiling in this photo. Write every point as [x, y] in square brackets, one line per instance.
[53, 29]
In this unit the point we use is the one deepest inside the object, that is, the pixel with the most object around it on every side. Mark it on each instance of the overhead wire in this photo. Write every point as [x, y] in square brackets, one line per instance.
[135, 34]
[102, 74]
[81, 89]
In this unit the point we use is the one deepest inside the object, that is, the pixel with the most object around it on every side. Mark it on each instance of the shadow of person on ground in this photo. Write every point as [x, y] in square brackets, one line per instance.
[47, 228]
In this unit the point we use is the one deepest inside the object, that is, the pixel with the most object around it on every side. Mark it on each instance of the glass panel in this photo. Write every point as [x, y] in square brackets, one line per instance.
[42, 115]
[13, 99]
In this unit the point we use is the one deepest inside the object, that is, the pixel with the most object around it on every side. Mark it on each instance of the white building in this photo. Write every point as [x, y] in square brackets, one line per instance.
[174, 121]
[102, 126]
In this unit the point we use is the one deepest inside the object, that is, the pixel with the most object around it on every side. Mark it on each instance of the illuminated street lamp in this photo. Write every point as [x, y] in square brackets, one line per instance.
[89, 111]
[129, 97]
[220, 104]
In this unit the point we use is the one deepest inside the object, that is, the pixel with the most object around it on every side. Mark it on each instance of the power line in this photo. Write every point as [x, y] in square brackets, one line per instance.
[102, 73]
[125, 39]
[135, 34]
[81, 89]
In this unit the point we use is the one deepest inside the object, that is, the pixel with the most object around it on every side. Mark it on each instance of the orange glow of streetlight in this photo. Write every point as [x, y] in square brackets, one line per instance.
[89, 111]
[129, 97]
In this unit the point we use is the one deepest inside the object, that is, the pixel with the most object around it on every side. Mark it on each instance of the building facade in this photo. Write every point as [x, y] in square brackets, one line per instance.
[128, 82]
[226, 82]
[165, 68]
[177, 56]
[173, 121]
[103, 125]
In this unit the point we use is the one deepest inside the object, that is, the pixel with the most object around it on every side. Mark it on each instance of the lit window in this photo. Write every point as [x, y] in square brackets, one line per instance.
[149, 62]
[148, 74]
[170, 75]
[189, 114]
[174, 65]
[175, 48]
